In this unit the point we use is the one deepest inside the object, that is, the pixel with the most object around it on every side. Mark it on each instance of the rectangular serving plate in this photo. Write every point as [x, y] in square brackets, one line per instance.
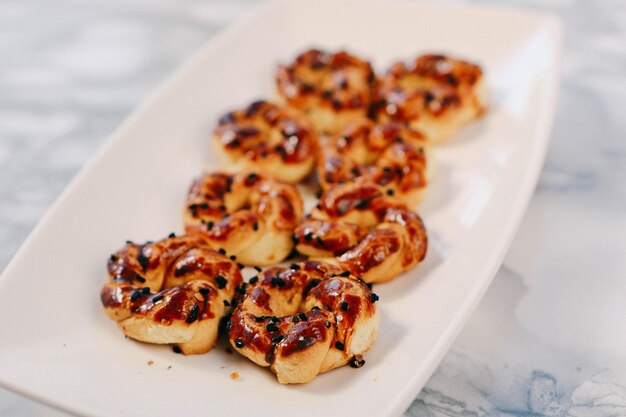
[56, 344]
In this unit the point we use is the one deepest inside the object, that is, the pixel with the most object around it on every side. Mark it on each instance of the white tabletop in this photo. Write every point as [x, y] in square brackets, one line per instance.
[548, 339]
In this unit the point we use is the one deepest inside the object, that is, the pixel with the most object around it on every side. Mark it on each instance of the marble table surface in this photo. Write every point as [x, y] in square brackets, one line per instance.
[548, 339]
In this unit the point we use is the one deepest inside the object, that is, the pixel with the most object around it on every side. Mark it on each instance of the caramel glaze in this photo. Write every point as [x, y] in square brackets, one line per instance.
[173, 279]
[268, 320]
[391, 155]
[337, 80]
[264, 130]
[259, 203]
[439, 83]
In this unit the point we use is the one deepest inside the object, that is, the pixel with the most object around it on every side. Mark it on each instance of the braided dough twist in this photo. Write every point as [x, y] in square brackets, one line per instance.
[174, 291]
[390, 155]
[331, 88]
[360, 229]
[434, 94]
[249, 216]
[304, 320]
[269, 139]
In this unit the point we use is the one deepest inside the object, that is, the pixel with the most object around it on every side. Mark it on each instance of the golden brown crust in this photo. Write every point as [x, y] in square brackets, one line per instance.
[385, 237]
[433, 94]
[269, 139]
[247, 215]
[173, 291]
[303, 320]
[331, 88]
[391, 155]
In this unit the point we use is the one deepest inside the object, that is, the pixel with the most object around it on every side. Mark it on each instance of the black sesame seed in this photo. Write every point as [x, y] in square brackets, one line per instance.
[113, 258]
[339, 345]
[362, 205]
[143, 261]
[205, 291]
[315, 308]
[277, 339]
[387, 170]
[344, 274]
[193, 314]
[308, 237]
[157, 298]
[327, 324]
[176, 349]
[271, 327]
[221, 281]
[239, 343]
[390, 192]
[294, 266]
[374, 297]
[319, 240]
[258, 268]
[240, 266]
[254, 280]
[233, 258]
[278, 282]
[295, 319]
[172, 235]
[222, 251]
[259, 319]
[295, 239]
[222, 207]
[210, 225]
[345, 306]
[357, 363]
[303, 317]
[273, 319]
[136, 295]
[145, 290]
[226, 303]
[255, 227]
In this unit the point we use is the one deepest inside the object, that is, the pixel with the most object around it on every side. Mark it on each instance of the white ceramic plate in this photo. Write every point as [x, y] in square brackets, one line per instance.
[57, 345]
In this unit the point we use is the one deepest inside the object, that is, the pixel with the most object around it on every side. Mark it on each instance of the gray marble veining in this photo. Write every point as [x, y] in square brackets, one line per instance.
[548, 339]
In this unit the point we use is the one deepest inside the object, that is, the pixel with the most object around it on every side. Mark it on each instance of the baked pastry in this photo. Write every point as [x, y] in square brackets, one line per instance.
[434, 94]
[304, 320]
[360, 229]
[247, 215]
[333, 89]
[174, 291]
[266, 138]
[390, 155]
